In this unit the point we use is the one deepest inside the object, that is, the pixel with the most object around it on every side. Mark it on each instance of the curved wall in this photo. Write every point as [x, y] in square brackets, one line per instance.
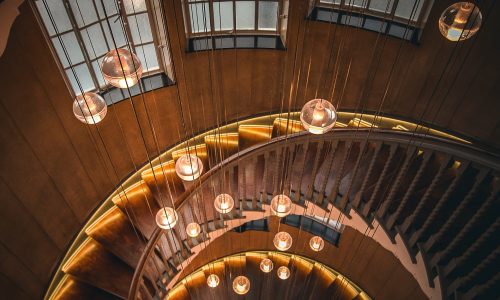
[55, 171]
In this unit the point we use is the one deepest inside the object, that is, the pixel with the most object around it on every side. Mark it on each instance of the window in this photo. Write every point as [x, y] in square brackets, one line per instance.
[233, 17]
[82, 27]
[399, 18]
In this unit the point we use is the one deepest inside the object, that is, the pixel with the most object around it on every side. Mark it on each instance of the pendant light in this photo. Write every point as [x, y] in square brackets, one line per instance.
[193, 229]
[316, 243]
[281, 205]
[89, 108]
[282, 241]
[266, 265]
[121, 68]
[188, 167]
[318, 116]
[166, 218]
[460, 21]
[241, 285]
[283, 272]
[213, 280]
[223, 203]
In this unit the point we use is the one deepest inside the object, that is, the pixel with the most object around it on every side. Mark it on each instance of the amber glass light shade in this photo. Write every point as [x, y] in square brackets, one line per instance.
[89, 108]
[166, 218]
[318, 116]
[241, 285]
[188, 167]
[266, 265]
[213, 280]
[283, 272]
[282, 241]
[316, 243]
[460, 21]
[223, 203]
[121, 68]
[281, 205]
[193, 229]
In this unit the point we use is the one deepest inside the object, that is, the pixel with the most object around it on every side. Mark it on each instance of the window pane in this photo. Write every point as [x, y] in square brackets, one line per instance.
[406, 9]
[356, 3]
[223, 15]
[110, 8]
[147, 56]
[83, 74]
[96, 65]
[134, 6]
[94, 41]
[84, 12]
[330, 1]
[118, 34]
[200, 17]
[268, 15]
[245, 15]
[382, 5]
[59, 14]
[141, 34]
[72, 47]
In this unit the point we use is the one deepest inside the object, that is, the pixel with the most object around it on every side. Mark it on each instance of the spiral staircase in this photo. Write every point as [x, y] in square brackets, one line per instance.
[440, 196]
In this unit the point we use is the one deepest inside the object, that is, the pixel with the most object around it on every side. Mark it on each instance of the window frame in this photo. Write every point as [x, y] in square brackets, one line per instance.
[212, 32]
[101, 21]
[390, 16]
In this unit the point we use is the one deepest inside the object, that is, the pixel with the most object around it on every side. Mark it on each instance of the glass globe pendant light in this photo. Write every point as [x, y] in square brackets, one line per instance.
[316, 243]
[193, 229]
[241, 285]
[224, 203]
[266, 265]
[166, 218]
[89, 108]
[188, 167]
[121, 68]
[282, 241]
[283, 272]
[213, 280]
[460, 21]
[281, 205]
[318, 116]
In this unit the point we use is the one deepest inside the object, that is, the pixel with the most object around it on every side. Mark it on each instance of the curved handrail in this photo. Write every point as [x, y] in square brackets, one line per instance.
[466, 151]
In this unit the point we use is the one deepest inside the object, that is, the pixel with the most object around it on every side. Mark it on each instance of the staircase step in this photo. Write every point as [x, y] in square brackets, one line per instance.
[73, 289]
[94, 265]
[280, 127]
[221, 146]
[251, 135]
[163, 180]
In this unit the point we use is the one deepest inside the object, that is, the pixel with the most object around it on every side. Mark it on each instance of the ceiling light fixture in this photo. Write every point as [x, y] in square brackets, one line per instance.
[166, 218]
[193, 229]
[188, 167]
[460, 21]
[89, 108]
[282, 241]
[121, 68]
[318, 116]
[241, 285]
[223, 203]
[283, 272]
[266, 265]
[316, 243]
[281, 205]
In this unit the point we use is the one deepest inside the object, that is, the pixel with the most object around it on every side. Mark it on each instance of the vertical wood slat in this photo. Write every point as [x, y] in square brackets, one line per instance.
[458, 210]
[437, 208]
[338, 178]
[425, 198]
[464, 231]
[277, 170]
[345, 198]
[396, 184]
[264, 177]
[329, 162]
[293, 154]
[359, 195]
[385, 170]
[254, 182]
[301, 175]
[310, 188]
[402, 204]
